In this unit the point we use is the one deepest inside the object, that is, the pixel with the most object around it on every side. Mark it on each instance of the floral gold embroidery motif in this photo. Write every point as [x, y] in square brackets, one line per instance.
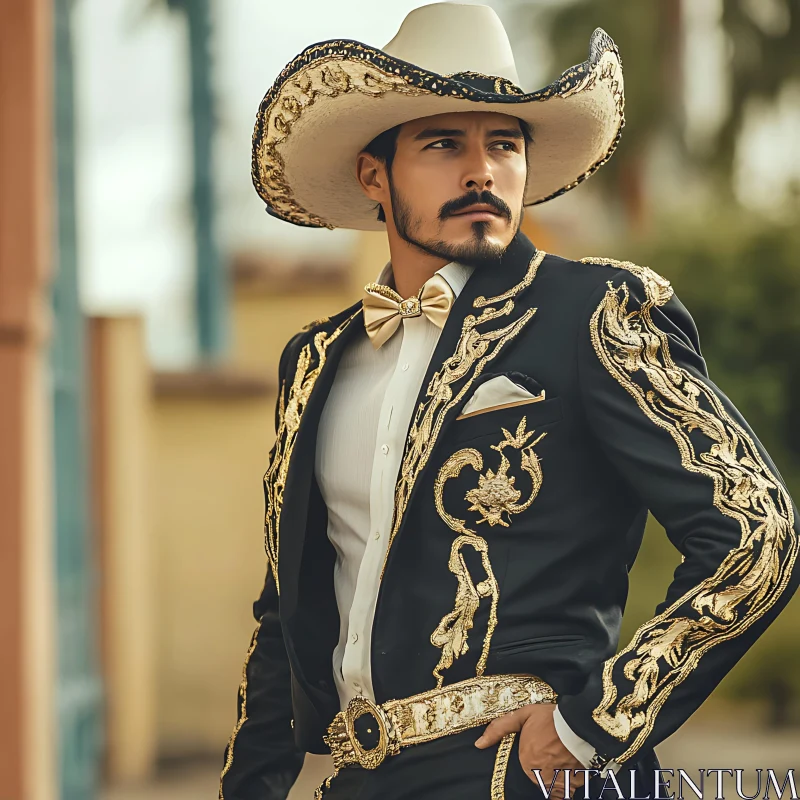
[290, 412]
[665, 650]
[496, 495]
[474, 350]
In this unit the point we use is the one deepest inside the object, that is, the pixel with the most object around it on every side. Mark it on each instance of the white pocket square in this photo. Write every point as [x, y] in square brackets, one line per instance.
[499, 392]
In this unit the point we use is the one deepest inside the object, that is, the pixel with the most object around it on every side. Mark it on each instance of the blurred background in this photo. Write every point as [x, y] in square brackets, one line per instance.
[145, 297]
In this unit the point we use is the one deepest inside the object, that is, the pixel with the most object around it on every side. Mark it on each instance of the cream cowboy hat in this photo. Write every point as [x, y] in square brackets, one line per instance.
[331, 100]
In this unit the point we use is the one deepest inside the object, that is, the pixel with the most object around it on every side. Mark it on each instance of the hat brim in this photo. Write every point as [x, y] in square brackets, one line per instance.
[335, 97]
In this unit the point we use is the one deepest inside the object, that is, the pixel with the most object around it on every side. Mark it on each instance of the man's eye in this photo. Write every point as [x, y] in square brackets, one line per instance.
[507, 146]
[446, 143]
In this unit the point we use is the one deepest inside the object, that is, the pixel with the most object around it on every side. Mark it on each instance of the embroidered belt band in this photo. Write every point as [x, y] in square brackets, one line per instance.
[365, 733]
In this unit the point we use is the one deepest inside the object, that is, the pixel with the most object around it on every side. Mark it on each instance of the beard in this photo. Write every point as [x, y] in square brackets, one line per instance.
[478, 251]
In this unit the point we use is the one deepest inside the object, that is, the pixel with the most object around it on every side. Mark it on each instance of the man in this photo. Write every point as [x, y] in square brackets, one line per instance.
[465, 458]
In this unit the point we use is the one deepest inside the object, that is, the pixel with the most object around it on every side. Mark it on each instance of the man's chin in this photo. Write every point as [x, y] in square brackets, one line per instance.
[480, 254]
[478, 244]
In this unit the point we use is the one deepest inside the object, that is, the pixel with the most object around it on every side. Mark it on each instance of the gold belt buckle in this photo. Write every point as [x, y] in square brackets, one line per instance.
[369, 759]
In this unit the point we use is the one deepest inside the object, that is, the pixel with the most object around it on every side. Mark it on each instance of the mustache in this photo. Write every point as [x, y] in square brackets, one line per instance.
[472, 198]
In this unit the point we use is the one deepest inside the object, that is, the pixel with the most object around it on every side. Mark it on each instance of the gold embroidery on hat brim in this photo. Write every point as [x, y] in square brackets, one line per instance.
[499, 84]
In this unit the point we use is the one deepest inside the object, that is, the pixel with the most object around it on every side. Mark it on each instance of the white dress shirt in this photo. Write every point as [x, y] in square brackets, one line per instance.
[360, 443]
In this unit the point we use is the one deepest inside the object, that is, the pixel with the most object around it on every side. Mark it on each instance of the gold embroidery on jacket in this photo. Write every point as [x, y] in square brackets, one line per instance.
[242, 711]
[496, 495]
[498, 785]
[325, 785]
[474, 350]
[657, 287]
[315, 323]
[665, 650]
[290, 412]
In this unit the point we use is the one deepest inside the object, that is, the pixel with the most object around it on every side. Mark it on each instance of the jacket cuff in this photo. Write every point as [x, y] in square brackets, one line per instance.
[580, 748]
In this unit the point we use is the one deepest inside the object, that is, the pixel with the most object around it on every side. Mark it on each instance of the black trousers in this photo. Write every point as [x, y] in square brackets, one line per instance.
[452, 768]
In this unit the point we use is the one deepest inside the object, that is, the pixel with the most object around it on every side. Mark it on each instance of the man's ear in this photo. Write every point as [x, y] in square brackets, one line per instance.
[371, 174]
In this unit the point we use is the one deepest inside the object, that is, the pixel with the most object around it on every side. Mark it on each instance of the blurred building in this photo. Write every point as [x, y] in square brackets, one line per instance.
[27, 665]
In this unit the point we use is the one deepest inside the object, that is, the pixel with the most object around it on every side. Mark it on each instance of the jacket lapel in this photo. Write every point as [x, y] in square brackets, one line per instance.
[484, 283]
[486, 316]
[326, 350]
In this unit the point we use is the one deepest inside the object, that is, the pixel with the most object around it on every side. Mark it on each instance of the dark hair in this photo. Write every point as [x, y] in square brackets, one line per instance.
[384, 146]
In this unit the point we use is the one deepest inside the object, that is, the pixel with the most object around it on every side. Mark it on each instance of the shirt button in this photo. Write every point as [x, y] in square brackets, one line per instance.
[357, 687]
[377, 535]
[405, 367]
[384, 448]
[354, 638]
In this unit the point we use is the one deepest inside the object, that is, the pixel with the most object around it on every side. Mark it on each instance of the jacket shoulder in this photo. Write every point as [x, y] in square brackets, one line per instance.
[585, 275]
[331, 321]
[649, 289]
[307, 333]
[658, 288]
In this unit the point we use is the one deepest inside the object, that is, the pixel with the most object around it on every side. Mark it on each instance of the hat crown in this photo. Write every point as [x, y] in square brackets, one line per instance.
[447, 38]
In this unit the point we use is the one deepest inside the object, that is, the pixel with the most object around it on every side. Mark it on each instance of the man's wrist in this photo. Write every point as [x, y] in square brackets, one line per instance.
[580, 748]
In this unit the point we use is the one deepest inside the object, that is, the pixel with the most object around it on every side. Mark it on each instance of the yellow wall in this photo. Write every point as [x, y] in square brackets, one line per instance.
[208, 459]
[263, 323]
[184, 551]
[122, 463]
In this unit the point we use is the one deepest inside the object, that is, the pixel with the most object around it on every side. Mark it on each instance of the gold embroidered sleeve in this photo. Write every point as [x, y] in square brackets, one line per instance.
[683, 447]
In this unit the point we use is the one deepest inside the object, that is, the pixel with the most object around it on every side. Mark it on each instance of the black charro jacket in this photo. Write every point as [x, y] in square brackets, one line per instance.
[558, 492]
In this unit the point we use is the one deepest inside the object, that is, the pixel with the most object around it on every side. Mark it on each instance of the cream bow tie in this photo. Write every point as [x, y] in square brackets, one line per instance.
[384, 309]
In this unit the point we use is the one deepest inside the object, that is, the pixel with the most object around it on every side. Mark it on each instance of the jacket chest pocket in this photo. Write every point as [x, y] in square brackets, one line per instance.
[492, 422]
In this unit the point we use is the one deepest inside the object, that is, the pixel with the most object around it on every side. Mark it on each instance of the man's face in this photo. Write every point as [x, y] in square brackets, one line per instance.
[457, 184]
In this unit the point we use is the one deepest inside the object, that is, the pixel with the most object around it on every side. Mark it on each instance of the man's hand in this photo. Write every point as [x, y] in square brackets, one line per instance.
[539, 746]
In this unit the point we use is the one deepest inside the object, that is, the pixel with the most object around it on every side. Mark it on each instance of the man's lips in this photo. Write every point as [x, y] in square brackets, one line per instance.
[478, 212]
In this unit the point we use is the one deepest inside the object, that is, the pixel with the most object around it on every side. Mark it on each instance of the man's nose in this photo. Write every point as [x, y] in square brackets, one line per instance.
[478, 177]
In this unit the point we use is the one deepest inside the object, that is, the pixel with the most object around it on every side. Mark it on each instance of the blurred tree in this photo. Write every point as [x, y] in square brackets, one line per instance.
[211, 289]
[740, 280]
[763, 57]
[648, 35]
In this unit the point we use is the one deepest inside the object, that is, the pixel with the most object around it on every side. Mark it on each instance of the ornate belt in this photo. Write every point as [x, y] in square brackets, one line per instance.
[427, 716]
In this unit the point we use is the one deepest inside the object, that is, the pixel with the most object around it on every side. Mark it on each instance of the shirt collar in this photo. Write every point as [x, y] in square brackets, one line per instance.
[455, 273]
